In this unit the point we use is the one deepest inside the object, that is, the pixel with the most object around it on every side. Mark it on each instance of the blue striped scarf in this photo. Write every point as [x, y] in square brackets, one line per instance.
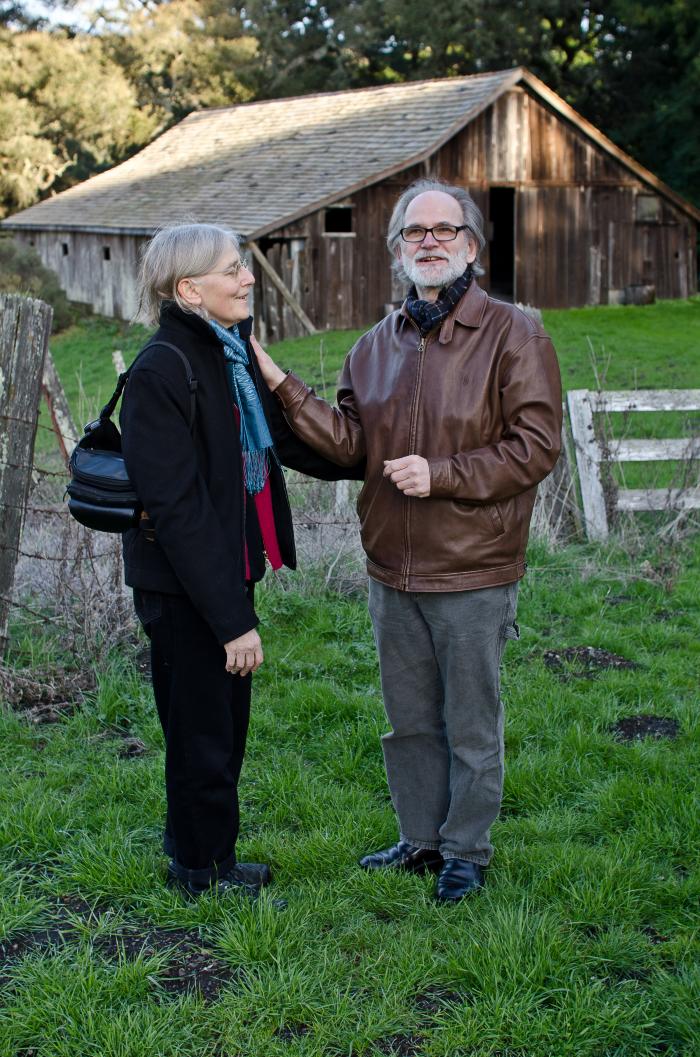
[256, 440]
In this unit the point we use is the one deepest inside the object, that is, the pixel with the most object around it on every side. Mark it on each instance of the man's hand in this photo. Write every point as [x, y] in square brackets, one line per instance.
[244, 654]
[272, 374]
[411, 474]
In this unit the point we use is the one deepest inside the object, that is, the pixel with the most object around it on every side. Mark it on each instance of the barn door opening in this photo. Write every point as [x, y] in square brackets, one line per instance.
[502, 242]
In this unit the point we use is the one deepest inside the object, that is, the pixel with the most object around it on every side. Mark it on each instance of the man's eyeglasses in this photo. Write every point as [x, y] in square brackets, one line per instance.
[441, 232]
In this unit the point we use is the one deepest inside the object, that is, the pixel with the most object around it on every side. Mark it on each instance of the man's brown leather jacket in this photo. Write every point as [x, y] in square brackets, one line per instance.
[480, 399]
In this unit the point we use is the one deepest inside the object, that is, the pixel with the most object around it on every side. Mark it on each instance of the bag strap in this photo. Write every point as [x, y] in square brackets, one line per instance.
[108, 410]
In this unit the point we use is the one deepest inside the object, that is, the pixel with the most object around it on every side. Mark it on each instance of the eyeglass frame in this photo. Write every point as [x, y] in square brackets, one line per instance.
[415, 242]
[233, 271]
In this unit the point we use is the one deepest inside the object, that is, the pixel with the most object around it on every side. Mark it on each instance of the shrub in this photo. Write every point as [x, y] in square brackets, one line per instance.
[21, 272]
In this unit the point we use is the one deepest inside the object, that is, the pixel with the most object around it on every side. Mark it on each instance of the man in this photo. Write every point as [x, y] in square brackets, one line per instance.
[455, 401]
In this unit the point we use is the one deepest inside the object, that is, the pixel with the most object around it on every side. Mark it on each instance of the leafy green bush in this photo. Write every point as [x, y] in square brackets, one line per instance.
[21, 272]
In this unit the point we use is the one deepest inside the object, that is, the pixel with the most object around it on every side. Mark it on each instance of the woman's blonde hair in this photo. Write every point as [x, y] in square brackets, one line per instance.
[173, 254]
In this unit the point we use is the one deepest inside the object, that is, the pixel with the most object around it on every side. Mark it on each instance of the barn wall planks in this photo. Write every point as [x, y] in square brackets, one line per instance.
[96, 269]
[584, 228]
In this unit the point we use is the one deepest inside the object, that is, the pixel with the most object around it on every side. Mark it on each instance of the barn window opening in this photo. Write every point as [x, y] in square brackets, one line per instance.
[648, 209]
[106, 253]
[502, 242]
[64, 249]
[338, 220]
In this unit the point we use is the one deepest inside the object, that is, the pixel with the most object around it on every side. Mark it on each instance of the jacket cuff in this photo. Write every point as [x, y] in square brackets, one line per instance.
[288, 391]
[441, 483]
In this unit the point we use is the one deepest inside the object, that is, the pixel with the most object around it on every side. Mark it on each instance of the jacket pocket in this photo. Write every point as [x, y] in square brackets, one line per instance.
[496, 519]
[148, 605]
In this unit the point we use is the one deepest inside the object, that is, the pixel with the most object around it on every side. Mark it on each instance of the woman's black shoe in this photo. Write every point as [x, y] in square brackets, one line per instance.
[245, 877]
[458, 878]
[403, 856]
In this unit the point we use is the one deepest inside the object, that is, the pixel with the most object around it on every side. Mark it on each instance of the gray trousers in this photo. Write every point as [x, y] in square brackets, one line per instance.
[439, 659]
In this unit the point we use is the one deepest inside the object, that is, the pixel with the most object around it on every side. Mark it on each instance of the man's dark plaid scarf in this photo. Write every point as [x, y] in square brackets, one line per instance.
[430, 314]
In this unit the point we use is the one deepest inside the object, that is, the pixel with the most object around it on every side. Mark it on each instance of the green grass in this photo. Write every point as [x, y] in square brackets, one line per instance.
[583, 944]
[650, 346]
[620, 347]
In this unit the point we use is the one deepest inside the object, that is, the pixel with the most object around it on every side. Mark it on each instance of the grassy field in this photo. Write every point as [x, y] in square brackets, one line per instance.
[583, 944]
[647, 346]
[585, 941]
[622, 347]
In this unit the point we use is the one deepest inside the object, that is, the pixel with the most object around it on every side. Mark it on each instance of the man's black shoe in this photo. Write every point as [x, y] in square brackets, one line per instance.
[458, 878]
[403, 856]
[245, 877]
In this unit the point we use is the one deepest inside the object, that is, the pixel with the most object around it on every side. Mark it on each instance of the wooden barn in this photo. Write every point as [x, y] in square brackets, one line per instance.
[310, 182]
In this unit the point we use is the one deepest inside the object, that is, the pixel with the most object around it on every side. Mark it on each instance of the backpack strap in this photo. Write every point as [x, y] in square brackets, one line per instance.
[108, 410]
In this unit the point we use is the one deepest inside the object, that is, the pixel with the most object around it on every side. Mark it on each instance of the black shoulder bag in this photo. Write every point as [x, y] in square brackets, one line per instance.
[100, 494]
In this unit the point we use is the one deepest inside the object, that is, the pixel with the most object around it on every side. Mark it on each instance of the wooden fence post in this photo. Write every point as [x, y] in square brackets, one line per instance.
[65, 429]
[588, 458]
[25, 325]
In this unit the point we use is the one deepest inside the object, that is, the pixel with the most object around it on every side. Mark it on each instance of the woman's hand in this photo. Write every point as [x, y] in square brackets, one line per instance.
[272, 374]
[244, 654]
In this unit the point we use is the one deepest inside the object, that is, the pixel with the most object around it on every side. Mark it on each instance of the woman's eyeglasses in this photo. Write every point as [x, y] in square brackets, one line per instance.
[232, 271]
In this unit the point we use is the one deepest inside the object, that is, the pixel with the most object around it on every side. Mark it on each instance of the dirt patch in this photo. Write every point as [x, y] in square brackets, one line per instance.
[132, 748]
[653, 935]
[77, 905]
[435, 999]
[634, 728]
[585, 661]
[400, 1045]
[44, 695]
[142, 662]
[290, 1032]
[190, 966]
[21, 943]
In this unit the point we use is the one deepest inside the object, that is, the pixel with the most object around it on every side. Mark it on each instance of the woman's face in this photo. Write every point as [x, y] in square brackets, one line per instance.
[222, 292]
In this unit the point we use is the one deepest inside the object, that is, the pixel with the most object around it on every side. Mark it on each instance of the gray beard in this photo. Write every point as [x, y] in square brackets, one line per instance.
[435, 277]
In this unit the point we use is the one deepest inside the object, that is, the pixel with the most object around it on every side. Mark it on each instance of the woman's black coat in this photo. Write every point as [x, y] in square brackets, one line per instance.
[191, 484]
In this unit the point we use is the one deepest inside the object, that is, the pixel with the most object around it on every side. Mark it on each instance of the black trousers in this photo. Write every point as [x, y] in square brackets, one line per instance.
[204, 712]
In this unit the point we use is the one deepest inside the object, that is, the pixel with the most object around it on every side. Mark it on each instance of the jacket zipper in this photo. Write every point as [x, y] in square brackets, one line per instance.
[412, 424]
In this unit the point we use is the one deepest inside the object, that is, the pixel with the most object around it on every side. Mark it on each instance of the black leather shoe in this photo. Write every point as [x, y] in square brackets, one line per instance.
[458, 878]
[245, 877]
[403, 856]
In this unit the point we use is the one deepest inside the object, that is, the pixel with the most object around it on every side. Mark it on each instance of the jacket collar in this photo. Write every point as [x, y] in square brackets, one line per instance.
[172, 313]
[469, 311]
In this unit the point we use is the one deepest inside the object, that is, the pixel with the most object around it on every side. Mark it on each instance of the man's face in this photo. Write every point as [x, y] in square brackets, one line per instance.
[431, 264]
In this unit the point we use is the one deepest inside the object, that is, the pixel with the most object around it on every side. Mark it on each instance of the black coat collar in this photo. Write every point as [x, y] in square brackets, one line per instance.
[172, 313]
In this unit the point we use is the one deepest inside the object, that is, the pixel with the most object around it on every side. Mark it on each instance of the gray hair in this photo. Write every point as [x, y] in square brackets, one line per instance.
[470, 212]
[173, 254]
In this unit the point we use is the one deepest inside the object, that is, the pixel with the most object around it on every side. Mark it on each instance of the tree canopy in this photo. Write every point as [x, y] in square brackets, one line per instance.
[81, 99]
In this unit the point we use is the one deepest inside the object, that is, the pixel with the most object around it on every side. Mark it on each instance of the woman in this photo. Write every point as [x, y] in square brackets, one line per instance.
[215, 505]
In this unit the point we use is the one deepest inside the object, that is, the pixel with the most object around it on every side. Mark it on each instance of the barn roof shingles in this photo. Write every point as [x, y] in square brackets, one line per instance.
[257, 164]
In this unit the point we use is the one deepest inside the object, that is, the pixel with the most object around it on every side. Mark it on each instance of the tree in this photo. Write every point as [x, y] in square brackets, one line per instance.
[649, 87]
[67, 112]
[182, 55]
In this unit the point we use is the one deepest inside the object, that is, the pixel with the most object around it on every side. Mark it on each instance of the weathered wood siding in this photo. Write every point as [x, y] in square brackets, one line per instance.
[96, 269]
[343, 280]
[577, 237]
